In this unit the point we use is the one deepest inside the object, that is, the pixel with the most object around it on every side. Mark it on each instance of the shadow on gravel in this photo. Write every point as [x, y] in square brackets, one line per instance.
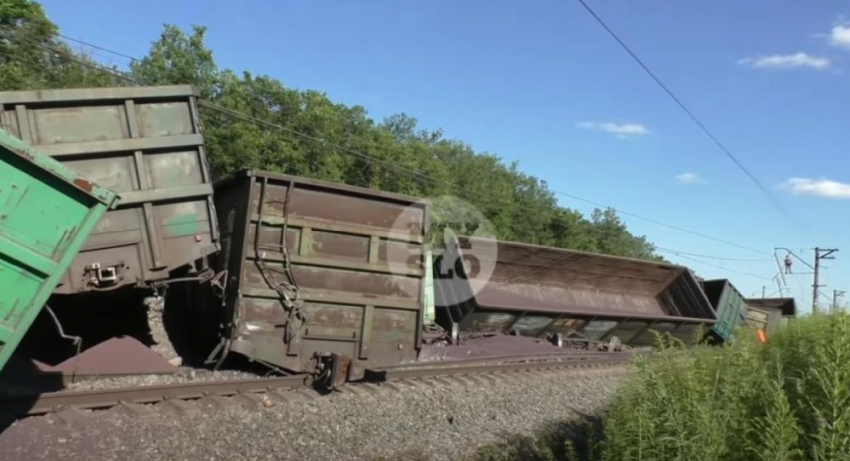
[20, 387]
[575, 440]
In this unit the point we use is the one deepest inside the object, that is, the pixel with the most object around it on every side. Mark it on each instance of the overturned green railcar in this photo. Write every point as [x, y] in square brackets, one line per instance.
[46, 213]
[729, 305]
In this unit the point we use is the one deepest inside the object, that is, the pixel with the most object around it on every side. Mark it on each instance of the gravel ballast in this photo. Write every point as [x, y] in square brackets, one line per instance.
[184, 375]
[440, 422]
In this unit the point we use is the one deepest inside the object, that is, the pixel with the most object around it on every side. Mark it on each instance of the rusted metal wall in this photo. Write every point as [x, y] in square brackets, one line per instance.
[356, 257]
[146, 145]
[537, 291]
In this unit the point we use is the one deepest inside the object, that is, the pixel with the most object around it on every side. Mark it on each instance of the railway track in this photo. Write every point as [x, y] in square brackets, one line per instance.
[260, 390]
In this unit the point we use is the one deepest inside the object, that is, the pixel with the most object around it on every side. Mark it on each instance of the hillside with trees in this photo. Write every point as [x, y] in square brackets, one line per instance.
[304, 133]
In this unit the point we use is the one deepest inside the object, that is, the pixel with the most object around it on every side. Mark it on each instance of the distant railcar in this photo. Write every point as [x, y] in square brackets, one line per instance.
[729, 305]
[768, 314]
[143, 143]
[538, 291]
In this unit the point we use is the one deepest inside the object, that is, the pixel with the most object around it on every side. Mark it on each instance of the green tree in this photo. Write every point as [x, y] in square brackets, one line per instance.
[177, 58]
[305, 133]
[32, 56]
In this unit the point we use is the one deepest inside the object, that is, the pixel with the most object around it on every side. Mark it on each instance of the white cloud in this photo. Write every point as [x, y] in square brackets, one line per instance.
[786, 61]
[840, 36]
[689, 179]
[622, 130]
[818, 187]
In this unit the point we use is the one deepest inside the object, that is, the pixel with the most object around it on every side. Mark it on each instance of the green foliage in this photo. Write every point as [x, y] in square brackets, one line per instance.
[407, 159]
[786, 401]
[32, 57]
[525, 448]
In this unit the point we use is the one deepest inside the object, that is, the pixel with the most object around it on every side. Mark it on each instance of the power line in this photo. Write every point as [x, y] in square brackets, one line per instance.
[71, 39]
[663, 224]
[713, 257]
[714, 266]
[371, 159]
[687, 111]
[777, 292]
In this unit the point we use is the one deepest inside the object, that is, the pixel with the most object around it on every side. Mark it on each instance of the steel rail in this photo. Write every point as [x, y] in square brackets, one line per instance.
[45, 403]
[485, 366]
[105, 398]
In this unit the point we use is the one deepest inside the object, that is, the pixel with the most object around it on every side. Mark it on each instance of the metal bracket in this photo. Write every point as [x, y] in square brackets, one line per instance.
[333, 370]
[104, 274]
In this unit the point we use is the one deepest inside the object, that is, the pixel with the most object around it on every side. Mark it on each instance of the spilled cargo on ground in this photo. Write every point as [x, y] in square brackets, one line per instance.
[317, 268]
[46, 213]
[729, 305]
[485, 286]
[143, 143]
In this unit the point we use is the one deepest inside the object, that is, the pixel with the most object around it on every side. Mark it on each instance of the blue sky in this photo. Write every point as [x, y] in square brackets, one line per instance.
[541, 83]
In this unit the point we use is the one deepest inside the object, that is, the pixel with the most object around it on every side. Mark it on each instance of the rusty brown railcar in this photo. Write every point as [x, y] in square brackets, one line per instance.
[143, 143]
[317, 268]
[539, 291]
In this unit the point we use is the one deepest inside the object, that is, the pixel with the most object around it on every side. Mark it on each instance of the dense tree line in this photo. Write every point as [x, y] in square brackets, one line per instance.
[403, 157]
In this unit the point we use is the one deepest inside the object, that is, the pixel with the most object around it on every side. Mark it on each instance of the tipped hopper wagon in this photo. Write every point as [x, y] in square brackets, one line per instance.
[729, 305]
[145, 144]
[496, 287]
[768, 313]
[320, 272]
[46, 213]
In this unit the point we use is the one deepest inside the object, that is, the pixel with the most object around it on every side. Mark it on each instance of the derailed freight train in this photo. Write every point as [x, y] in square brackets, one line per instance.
[324, 276]
[320, 272]
[312, 276]
[490, 287]
[144, 144]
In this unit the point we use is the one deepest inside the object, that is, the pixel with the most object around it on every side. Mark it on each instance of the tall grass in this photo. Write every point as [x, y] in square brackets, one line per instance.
[788, 400]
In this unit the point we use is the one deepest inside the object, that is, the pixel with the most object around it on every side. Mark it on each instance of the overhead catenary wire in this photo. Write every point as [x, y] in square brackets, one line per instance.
[719, 258]
[714, 265]
[575, 197]
[369, 158]
[97, 47]
[247, 117]
[687, 111]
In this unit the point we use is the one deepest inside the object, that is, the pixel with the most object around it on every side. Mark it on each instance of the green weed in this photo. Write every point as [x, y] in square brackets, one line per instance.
[788, 400]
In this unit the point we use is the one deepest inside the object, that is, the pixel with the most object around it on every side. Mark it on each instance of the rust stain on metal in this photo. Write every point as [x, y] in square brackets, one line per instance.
[83, 184]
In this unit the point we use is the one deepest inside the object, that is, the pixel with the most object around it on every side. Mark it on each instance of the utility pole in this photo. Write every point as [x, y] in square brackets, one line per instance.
[820, 253]
[763, 290]
[835, 295]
